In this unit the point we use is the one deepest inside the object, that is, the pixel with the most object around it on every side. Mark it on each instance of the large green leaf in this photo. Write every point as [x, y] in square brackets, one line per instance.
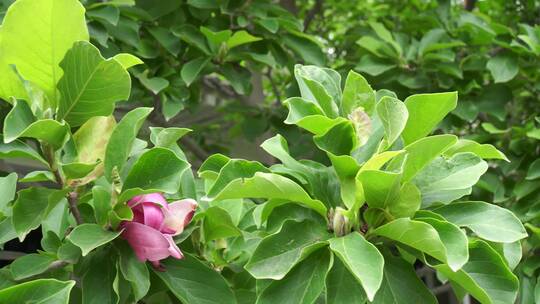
[303, 284]
[30, 265]
[191, 281]
[401, 285]
[444, 181]
[503, 67]
[420, 154]
[8, 187]
[426, 238]
[394, 115]
[485, 151]
[380, 187]
[20, 122]
[19, 149]
[486, 276]
[320, 85]
[357, 93]
[98, 279]
[342, 287]
[157, 170]
[277, 254]
[90, 236]
[218, 224]
[91, 85]
[92, 137]
[425, 112]
[122, 139]
[43, 291]
[362, 259]
[488, 221]
[36, 45]
[270, 186]
[29, 209]
[135, 272]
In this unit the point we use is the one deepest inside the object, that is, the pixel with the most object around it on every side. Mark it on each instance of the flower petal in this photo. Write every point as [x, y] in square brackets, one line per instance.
[178, 215]
[148, 243]
[152, 214]
[173, 249]
[156, 198]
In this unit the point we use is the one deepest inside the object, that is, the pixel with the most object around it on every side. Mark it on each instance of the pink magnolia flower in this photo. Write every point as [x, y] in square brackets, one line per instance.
[154, 224]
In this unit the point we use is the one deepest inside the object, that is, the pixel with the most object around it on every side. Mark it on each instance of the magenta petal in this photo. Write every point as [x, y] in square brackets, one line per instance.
[153, 215]
[173, 249]
[148, 243]
[155, 198]
[178, 215]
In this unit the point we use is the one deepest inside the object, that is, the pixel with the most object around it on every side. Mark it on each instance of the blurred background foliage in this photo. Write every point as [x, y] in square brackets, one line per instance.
[223, 68]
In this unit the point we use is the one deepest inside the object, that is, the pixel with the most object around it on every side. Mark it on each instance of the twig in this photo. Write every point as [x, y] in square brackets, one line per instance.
[312, 13]
[8, 255]
[194, 147]
[274, 86]
[72, 200]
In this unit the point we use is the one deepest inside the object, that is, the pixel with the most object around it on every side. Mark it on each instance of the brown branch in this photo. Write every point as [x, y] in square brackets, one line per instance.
[72, 200]
[312, 13]
[191, 145]
[8, 255]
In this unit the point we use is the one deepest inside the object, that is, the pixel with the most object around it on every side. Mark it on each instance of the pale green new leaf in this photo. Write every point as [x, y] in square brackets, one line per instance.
[90, 236]
[357, 93]
[42, 291]
[37, 44]
[426, 111]
[394, 115]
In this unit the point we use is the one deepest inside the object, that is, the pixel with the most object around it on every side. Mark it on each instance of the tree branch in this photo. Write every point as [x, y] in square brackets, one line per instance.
[8, 255]
[312, 13]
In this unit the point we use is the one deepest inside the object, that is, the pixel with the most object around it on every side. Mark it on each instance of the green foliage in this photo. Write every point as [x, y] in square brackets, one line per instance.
[403, 207]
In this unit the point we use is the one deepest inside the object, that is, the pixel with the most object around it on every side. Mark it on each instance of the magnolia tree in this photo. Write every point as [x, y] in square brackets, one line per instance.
[124, 220]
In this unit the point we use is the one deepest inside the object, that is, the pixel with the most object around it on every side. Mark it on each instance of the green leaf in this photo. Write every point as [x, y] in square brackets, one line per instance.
[42, 291]
[425, 112]
[90, 236]
[235, 169]
[270, 186]
[423, 237]
[308, 115]
[380, 187]
[38, 176]
[135, 272]
[454, 239]
[374, 66]
[127, 60]
[91, 85]
[340, 139]
[78, 170]
[401, 285]
[503, 67]
[393, 114]
[241, 37]
[19, 149]
[20, 122]
[30, 265]
[36, 46]
[408, 202]
[534, 170]
[321, 86]
[192, 69]
[488, 221]
[362, 259]
[122, 139]
[277, 254]
[98, 279]
[8, 187]
[306, 47]
[485, 151]
[29, 209]
[342, 287]
[157, 170]
[303, 284]
[218, 224]
[357, 93]
[444, 181]
[154, 84]
[421, 153]
[486, 276]
[191, 281]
